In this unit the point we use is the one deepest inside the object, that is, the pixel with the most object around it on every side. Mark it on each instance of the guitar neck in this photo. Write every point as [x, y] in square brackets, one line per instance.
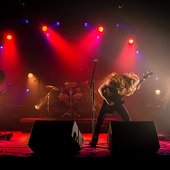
[142, 80]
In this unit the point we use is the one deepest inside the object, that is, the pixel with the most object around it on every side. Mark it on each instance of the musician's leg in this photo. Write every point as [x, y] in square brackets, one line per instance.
[98, 125]
[122, 111]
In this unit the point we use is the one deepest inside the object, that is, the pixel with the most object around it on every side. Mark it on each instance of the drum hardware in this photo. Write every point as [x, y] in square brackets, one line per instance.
[49, 87]
[47, 98]
[70, 86]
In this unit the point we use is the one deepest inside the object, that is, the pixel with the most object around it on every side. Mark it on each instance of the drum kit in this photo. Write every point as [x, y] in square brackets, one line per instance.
[70, 94]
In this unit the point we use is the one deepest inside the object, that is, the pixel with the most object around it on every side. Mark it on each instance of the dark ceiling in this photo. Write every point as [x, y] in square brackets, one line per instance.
[51, 9]
[149, 19]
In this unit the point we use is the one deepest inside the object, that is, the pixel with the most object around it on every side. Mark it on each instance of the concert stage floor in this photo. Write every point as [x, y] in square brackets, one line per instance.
[16, 150]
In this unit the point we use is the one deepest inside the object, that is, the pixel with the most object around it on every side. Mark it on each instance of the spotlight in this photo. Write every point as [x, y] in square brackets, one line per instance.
[57, 23]
[27, 90]
[26, 21]
[86, 24]
[1, 47]
[30, 75]
[100, 29]
[117, 25]
[9, 37]
[37, 107]
[157, 92]
[130, 41]
[44, 28]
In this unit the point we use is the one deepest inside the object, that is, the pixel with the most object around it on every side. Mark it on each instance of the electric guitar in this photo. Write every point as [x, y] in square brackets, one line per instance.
[145, 76]
[120, 99]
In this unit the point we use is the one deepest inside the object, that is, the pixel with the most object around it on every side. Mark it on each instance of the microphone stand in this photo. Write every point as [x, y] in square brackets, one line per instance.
[92, 94]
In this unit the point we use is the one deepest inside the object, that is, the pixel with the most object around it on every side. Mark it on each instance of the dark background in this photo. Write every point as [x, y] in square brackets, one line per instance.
[147, 21]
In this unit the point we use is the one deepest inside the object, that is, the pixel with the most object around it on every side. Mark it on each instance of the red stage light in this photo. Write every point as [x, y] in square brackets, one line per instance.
[131, 41]
[44, 28]
[9, 37]
[101, 29]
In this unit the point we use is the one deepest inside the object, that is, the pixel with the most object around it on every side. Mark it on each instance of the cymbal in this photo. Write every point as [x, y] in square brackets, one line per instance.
[49, 87]
[70, 84]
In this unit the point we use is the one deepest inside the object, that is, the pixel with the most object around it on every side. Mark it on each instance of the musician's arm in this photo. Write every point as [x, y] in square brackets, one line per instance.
[104, 91]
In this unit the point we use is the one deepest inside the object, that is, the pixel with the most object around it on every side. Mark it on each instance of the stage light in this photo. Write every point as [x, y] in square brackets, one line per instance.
[44, 28]
[130, 41]
[100, 29]
[157, 92]
[86, 24]
[98, 37]
[26, 21]
[27, 90]
[117, 25]
[9, 37]
[1, 47]
[30, 75]
[57, 23]
[137, 53]
[37, 107]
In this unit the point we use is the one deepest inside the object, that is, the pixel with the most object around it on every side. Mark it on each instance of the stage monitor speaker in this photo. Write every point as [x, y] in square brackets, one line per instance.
[135, 137]
[55, 137]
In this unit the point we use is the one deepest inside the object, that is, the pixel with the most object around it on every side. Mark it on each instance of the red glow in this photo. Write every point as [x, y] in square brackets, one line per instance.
[11, 59]
[127, 58]
[64, 50]
[74, 56]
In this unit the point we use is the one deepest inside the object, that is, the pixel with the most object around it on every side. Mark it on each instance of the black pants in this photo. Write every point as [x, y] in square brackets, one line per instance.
[105, 108]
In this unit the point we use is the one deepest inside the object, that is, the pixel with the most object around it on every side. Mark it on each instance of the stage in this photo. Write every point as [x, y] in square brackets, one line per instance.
[16, 150]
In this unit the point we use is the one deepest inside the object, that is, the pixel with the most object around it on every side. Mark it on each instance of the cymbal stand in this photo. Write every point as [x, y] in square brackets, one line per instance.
[48, 102]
